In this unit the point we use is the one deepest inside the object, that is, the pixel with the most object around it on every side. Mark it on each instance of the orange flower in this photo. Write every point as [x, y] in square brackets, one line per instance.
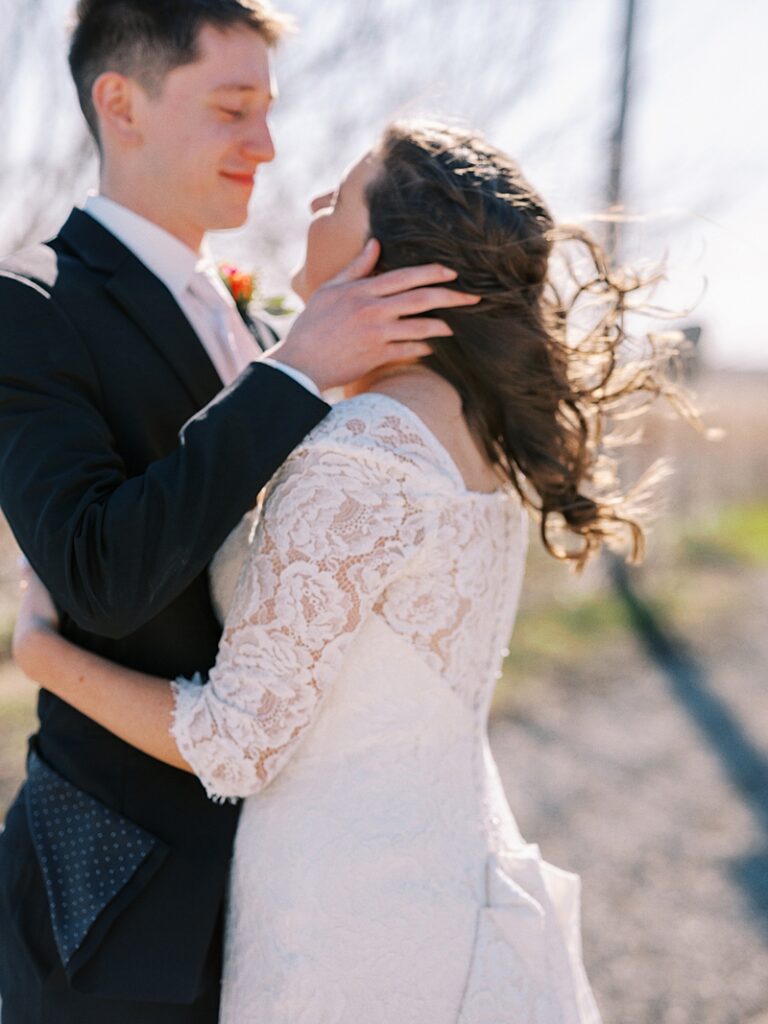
[241, 285]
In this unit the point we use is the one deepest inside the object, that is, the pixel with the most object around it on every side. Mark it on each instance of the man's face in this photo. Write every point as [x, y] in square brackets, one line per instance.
[205, 134]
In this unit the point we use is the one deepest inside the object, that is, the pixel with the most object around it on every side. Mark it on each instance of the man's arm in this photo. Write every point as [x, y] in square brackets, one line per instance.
[115, 551]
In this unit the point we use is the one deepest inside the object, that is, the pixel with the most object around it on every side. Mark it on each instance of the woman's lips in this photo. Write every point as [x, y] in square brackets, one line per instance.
[240, 179]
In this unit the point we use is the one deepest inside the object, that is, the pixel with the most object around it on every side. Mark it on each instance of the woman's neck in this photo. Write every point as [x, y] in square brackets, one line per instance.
[401, 373]
[438, 404]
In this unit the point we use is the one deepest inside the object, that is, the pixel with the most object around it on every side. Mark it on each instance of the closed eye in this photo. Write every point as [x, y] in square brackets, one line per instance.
[235, 115]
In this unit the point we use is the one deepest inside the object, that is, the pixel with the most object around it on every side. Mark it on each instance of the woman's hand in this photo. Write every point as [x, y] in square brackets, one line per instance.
[36, 619]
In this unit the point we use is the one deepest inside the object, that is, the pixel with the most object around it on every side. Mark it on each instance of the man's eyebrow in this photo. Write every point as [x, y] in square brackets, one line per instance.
[243, 87]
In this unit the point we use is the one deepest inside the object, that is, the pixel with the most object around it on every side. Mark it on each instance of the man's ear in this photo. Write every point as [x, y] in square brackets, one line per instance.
[114, 98]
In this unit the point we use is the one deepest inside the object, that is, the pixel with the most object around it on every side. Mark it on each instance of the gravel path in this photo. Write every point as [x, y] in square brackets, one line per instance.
[614, 777]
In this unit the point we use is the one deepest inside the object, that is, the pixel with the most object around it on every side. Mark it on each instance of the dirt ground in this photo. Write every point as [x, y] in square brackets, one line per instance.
[656, 793]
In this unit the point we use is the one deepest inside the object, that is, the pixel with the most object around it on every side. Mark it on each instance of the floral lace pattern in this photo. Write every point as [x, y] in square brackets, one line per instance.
[368, 516]
[379, 874]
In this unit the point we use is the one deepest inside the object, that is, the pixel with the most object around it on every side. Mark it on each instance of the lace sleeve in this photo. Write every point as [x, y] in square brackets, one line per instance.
[336, 528]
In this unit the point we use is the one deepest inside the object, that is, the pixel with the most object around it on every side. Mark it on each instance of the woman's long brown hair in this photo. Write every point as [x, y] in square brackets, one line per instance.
[542, 362]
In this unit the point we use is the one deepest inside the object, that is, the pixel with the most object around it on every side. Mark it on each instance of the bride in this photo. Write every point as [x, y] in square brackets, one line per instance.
[378, 872]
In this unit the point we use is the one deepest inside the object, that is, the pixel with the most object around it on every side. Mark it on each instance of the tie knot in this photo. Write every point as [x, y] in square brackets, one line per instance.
[204, 289]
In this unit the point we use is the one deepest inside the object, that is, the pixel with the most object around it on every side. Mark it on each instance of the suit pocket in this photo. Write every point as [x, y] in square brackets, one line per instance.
[92, 859]
[26, 943]
[526, 960]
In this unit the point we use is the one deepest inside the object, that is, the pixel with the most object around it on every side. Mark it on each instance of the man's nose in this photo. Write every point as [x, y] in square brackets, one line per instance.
[259, 145]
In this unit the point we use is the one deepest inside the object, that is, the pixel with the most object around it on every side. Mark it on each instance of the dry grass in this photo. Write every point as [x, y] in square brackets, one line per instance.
[693, 577]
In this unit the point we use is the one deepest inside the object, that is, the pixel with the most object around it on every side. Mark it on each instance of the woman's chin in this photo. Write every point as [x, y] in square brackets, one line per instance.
[299, 284]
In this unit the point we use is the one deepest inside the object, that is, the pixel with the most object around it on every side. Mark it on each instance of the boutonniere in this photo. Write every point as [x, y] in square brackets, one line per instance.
[244, 289]
[241, 285]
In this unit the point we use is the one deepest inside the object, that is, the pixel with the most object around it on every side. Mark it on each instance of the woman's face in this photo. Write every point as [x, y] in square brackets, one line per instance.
[338, 230]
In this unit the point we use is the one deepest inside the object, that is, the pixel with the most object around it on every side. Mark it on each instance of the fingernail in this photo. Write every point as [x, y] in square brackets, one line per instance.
[448, 274]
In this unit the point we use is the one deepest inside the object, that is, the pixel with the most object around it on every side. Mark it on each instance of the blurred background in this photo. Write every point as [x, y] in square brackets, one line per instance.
[631, 725]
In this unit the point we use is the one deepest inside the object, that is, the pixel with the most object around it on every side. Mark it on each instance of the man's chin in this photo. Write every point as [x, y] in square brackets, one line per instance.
[229, 220]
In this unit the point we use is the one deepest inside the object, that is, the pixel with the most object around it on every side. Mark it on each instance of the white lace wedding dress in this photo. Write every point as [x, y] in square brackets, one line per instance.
[378, 875]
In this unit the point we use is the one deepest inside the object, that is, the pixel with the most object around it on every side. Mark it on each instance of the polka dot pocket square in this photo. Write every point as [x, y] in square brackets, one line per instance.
[88, 854]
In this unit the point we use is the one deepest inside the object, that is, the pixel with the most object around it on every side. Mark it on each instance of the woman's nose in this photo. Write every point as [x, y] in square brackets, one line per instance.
[320, 202]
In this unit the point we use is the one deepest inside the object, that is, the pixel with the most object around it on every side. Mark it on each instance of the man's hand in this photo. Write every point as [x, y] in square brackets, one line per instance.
[354, 323]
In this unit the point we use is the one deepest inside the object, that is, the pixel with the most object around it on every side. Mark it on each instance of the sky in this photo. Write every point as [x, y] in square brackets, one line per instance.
[696, 165]
[700, 128]
[539, 77]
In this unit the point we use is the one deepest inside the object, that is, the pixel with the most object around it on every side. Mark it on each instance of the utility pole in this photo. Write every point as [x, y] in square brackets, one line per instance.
[614, 195]
[616, 152]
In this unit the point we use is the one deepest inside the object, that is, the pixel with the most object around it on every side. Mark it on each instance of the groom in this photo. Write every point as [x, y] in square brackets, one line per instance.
[124, 465]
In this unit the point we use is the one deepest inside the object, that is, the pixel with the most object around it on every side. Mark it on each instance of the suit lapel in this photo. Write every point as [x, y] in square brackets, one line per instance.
[152, 307]
[146, 300]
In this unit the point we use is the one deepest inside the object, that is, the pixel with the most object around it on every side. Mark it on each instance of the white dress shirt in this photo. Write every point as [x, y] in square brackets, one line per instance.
[212, 314]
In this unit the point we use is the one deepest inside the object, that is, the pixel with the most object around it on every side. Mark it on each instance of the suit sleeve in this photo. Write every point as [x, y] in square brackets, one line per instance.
[114, 550]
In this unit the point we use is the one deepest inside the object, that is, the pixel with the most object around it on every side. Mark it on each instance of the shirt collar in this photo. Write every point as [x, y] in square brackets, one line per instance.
[169, 259]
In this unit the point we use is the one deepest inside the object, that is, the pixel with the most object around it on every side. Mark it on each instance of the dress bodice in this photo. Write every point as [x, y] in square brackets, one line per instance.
[378, 871]
[368, 518]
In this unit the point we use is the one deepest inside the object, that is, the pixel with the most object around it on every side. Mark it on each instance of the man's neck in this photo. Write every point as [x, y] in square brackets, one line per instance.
[190, 236]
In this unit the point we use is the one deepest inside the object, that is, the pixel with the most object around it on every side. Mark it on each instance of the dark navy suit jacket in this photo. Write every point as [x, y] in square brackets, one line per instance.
[119, 490]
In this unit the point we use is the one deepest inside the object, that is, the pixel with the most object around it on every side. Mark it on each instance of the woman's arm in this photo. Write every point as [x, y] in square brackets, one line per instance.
[136, 707]
[336, 528]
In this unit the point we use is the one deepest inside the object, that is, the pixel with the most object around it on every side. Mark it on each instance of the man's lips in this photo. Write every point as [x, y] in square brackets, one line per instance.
[239, 178]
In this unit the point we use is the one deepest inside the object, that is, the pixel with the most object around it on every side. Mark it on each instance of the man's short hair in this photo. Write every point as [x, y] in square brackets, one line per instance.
[146, 39]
